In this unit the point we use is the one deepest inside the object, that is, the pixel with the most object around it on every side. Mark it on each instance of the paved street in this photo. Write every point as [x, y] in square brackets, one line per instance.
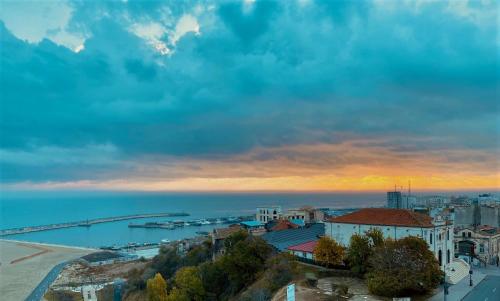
[487, 290]
[42, 287]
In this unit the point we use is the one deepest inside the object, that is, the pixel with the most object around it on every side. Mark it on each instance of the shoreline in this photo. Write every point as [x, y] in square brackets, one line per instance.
[47, 245]
[25, 266]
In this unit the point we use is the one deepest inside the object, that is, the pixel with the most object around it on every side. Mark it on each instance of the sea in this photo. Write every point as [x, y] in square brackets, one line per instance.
[41, 208]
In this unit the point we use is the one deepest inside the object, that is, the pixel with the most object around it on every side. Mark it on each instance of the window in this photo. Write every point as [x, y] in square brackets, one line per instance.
[430, 238]
[469, 234]
[439, 237]
[481, 248]
[440, 257]
[463, 234]
[447, 256]
[447, 234]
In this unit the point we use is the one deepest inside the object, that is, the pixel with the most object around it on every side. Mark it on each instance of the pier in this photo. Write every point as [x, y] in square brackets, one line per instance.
[171, 225]
[86, 223]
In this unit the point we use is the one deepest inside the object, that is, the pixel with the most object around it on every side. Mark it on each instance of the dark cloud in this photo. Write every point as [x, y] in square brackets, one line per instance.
[271, 75]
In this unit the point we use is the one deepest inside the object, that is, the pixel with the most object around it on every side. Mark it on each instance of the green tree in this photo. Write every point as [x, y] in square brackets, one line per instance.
[198, 254]
[234, 238]
[403, 267]
[178, 295]
[279, 271]
[166, 262]
[188, 281]
[243, 260]
[214, 279]
[157, 288]
[376, 237]
[358, 253]
[328, 252]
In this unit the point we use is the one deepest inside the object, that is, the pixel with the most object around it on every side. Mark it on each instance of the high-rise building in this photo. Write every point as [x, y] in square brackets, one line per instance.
[394, 199]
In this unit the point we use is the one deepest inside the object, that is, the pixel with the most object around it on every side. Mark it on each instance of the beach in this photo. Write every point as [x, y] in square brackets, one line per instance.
[23, 265]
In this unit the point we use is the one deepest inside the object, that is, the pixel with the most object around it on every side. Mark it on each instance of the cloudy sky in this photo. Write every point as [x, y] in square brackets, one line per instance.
[249, 95]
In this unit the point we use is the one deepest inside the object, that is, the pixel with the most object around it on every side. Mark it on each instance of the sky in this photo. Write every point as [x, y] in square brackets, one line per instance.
[299, 95]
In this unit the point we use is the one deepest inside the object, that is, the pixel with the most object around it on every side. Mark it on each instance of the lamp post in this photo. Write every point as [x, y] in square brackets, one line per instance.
[445, 283]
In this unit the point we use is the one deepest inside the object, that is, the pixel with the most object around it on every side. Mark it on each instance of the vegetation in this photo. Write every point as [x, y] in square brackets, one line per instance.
[188, 282]
[250, 270]
[361, 248]
[157, 288]
[403, 267]
[328, 252]
[195, 277]
[358, 253]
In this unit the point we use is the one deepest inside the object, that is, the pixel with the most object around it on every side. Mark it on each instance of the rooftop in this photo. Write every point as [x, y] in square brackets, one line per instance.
[304, 247]
[385, 217]
[283, 224]
[223, 233]
[101, 256]
[283, 239]
[251, 224]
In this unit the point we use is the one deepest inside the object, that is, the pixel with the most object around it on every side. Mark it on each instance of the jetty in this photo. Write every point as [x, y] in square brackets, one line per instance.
[86, 223]
[171, 225]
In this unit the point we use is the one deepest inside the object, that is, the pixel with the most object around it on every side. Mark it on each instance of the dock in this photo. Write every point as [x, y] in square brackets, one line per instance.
[171, 225]
[86, 223]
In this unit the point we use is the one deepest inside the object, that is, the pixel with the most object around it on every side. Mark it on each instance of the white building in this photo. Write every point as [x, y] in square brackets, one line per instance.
[266, 214]
[396, 224]
[305, 214]
[482, 241]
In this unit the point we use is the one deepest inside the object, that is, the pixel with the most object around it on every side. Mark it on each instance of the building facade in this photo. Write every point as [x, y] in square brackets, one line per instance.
[394, 199]
[269, 213]
[396, 224]
[303, 250]
[482, 242]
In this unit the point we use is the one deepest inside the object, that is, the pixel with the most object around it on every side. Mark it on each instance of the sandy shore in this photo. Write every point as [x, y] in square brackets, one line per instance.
[23, 265]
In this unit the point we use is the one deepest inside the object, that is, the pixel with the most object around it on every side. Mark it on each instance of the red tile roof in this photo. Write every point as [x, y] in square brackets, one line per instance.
[385, 217]
[307, 247]
[284, 225]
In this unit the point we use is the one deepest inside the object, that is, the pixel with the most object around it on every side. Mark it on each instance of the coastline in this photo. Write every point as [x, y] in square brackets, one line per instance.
[24, 265]
[47, 244]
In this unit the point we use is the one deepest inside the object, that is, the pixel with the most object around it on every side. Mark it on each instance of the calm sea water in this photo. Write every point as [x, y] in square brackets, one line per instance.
[28, 209]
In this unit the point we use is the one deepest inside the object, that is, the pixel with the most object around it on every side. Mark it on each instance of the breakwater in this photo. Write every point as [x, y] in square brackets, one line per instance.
[86, 223]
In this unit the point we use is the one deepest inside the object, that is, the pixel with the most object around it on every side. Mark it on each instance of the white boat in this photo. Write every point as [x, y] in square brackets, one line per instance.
[165, 241]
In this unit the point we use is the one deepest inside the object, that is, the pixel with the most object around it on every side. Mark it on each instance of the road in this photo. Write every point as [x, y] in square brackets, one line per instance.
[39, 291]
[487, 290]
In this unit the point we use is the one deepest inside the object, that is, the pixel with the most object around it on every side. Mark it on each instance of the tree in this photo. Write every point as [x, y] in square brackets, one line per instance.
[361, 247]
[243, 260]
[166, 262]
[188, 281]
[328, 252]
[402, 268]
[234, 238]
[279, 271]
[198, 254]
[376, 237]
[358, 253]
[214, 279]
[157, 288]
[178, 295]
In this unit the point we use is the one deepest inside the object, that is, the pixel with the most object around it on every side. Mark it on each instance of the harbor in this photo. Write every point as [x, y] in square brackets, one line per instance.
[86, 223]
[171, 225]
